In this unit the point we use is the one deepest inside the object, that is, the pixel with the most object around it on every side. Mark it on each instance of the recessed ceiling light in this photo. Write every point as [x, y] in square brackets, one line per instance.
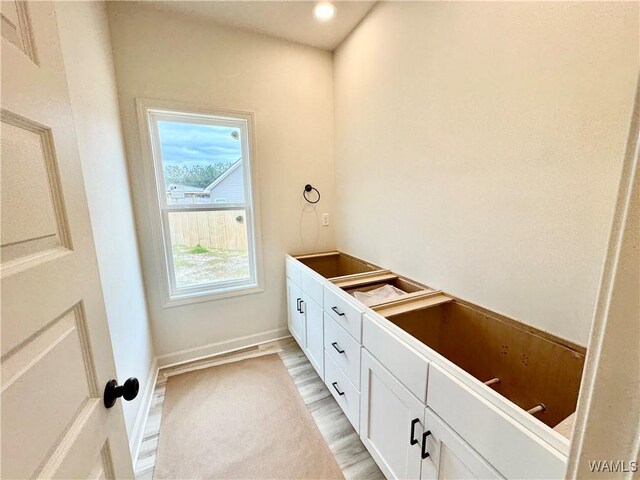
[324, 11]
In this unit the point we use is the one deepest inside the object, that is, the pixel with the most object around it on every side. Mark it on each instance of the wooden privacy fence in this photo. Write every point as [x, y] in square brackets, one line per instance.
[212, 229]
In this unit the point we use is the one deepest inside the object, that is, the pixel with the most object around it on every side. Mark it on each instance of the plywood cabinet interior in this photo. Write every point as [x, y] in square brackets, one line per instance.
[335, 264]
[533, 368]
[500, 439]
[369, 283]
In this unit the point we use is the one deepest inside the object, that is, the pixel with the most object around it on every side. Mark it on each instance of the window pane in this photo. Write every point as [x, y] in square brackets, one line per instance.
[209, 247]
[202, 163]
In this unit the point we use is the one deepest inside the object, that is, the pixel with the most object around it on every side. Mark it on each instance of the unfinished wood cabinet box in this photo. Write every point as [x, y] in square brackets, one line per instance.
[352, 274]
[529, 367]
[464, 384]
[497, 385]
[335, 264]
[373, 281]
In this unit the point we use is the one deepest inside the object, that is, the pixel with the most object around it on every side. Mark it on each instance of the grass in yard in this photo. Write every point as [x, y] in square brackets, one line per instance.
[199, 249]
[198, 265]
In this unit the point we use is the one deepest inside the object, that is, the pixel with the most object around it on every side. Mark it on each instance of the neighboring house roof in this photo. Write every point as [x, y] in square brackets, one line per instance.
[183, 188]
[227, 172]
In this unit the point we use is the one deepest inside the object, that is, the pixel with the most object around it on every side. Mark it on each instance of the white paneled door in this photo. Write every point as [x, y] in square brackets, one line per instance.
[56, 353]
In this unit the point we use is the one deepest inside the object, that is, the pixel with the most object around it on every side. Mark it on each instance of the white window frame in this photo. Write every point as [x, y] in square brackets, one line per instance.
[149, 113]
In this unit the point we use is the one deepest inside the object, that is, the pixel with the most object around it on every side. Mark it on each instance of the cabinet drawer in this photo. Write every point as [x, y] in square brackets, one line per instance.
[511, 448]
[400, 359]
[344, 311]
[311, 287]
[343, 349]
[345, 393]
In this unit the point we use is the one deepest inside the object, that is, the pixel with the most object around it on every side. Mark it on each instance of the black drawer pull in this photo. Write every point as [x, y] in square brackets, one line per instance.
[298, 304]
[335, 309]
[335, 345]
[425, 454]
[335, 386]
[301, 304]
[412, 438]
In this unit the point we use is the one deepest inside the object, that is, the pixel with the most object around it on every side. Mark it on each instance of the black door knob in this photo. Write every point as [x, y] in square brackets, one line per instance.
[113, 391]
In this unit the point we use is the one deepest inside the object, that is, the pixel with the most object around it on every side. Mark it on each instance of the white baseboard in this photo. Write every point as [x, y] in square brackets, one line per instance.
[191, 354]
[143, 414]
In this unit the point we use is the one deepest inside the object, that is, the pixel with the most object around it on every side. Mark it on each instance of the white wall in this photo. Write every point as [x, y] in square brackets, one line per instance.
[89, 66]
[289, 87]
[479, 146]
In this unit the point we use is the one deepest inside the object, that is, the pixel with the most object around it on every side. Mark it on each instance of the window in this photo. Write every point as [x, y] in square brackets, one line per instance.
[200, 174]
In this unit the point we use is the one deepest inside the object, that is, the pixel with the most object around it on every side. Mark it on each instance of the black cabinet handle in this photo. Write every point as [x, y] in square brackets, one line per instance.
[298, 305]
[425, 454]
[335, 309]
[335, 385]
[301, 303]
[335, 345]
[412, 439]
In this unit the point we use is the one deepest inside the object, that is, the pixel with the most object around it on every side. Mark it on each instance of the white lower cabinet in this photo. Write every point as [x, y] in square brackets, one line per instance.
[408, 440]
[313, 319]
[296, 317]
[446, 455]
[418, 419]
[307, 322]
[391, 421]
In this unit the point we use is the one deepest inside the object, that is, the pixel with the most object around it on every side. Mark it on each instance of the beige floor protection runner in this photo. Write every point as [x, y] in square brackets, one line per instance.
[240, 420]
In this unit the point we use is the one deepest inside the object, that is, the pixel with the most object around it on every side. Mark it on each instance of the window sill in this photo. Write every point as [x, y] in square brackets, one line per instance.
[186, 299]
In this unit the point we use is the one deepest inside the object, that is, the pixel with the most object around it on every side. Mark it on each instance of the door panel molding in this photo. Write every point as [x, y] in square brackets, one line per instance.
[40, 232]
[50, 363]
[16, 27]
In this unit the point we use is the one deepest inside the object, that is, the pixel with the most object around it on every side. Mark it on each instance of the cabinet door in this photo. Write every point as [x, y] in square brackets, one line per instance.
[315, 333]
[448, 456]
[296, 319]
[391, 421]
